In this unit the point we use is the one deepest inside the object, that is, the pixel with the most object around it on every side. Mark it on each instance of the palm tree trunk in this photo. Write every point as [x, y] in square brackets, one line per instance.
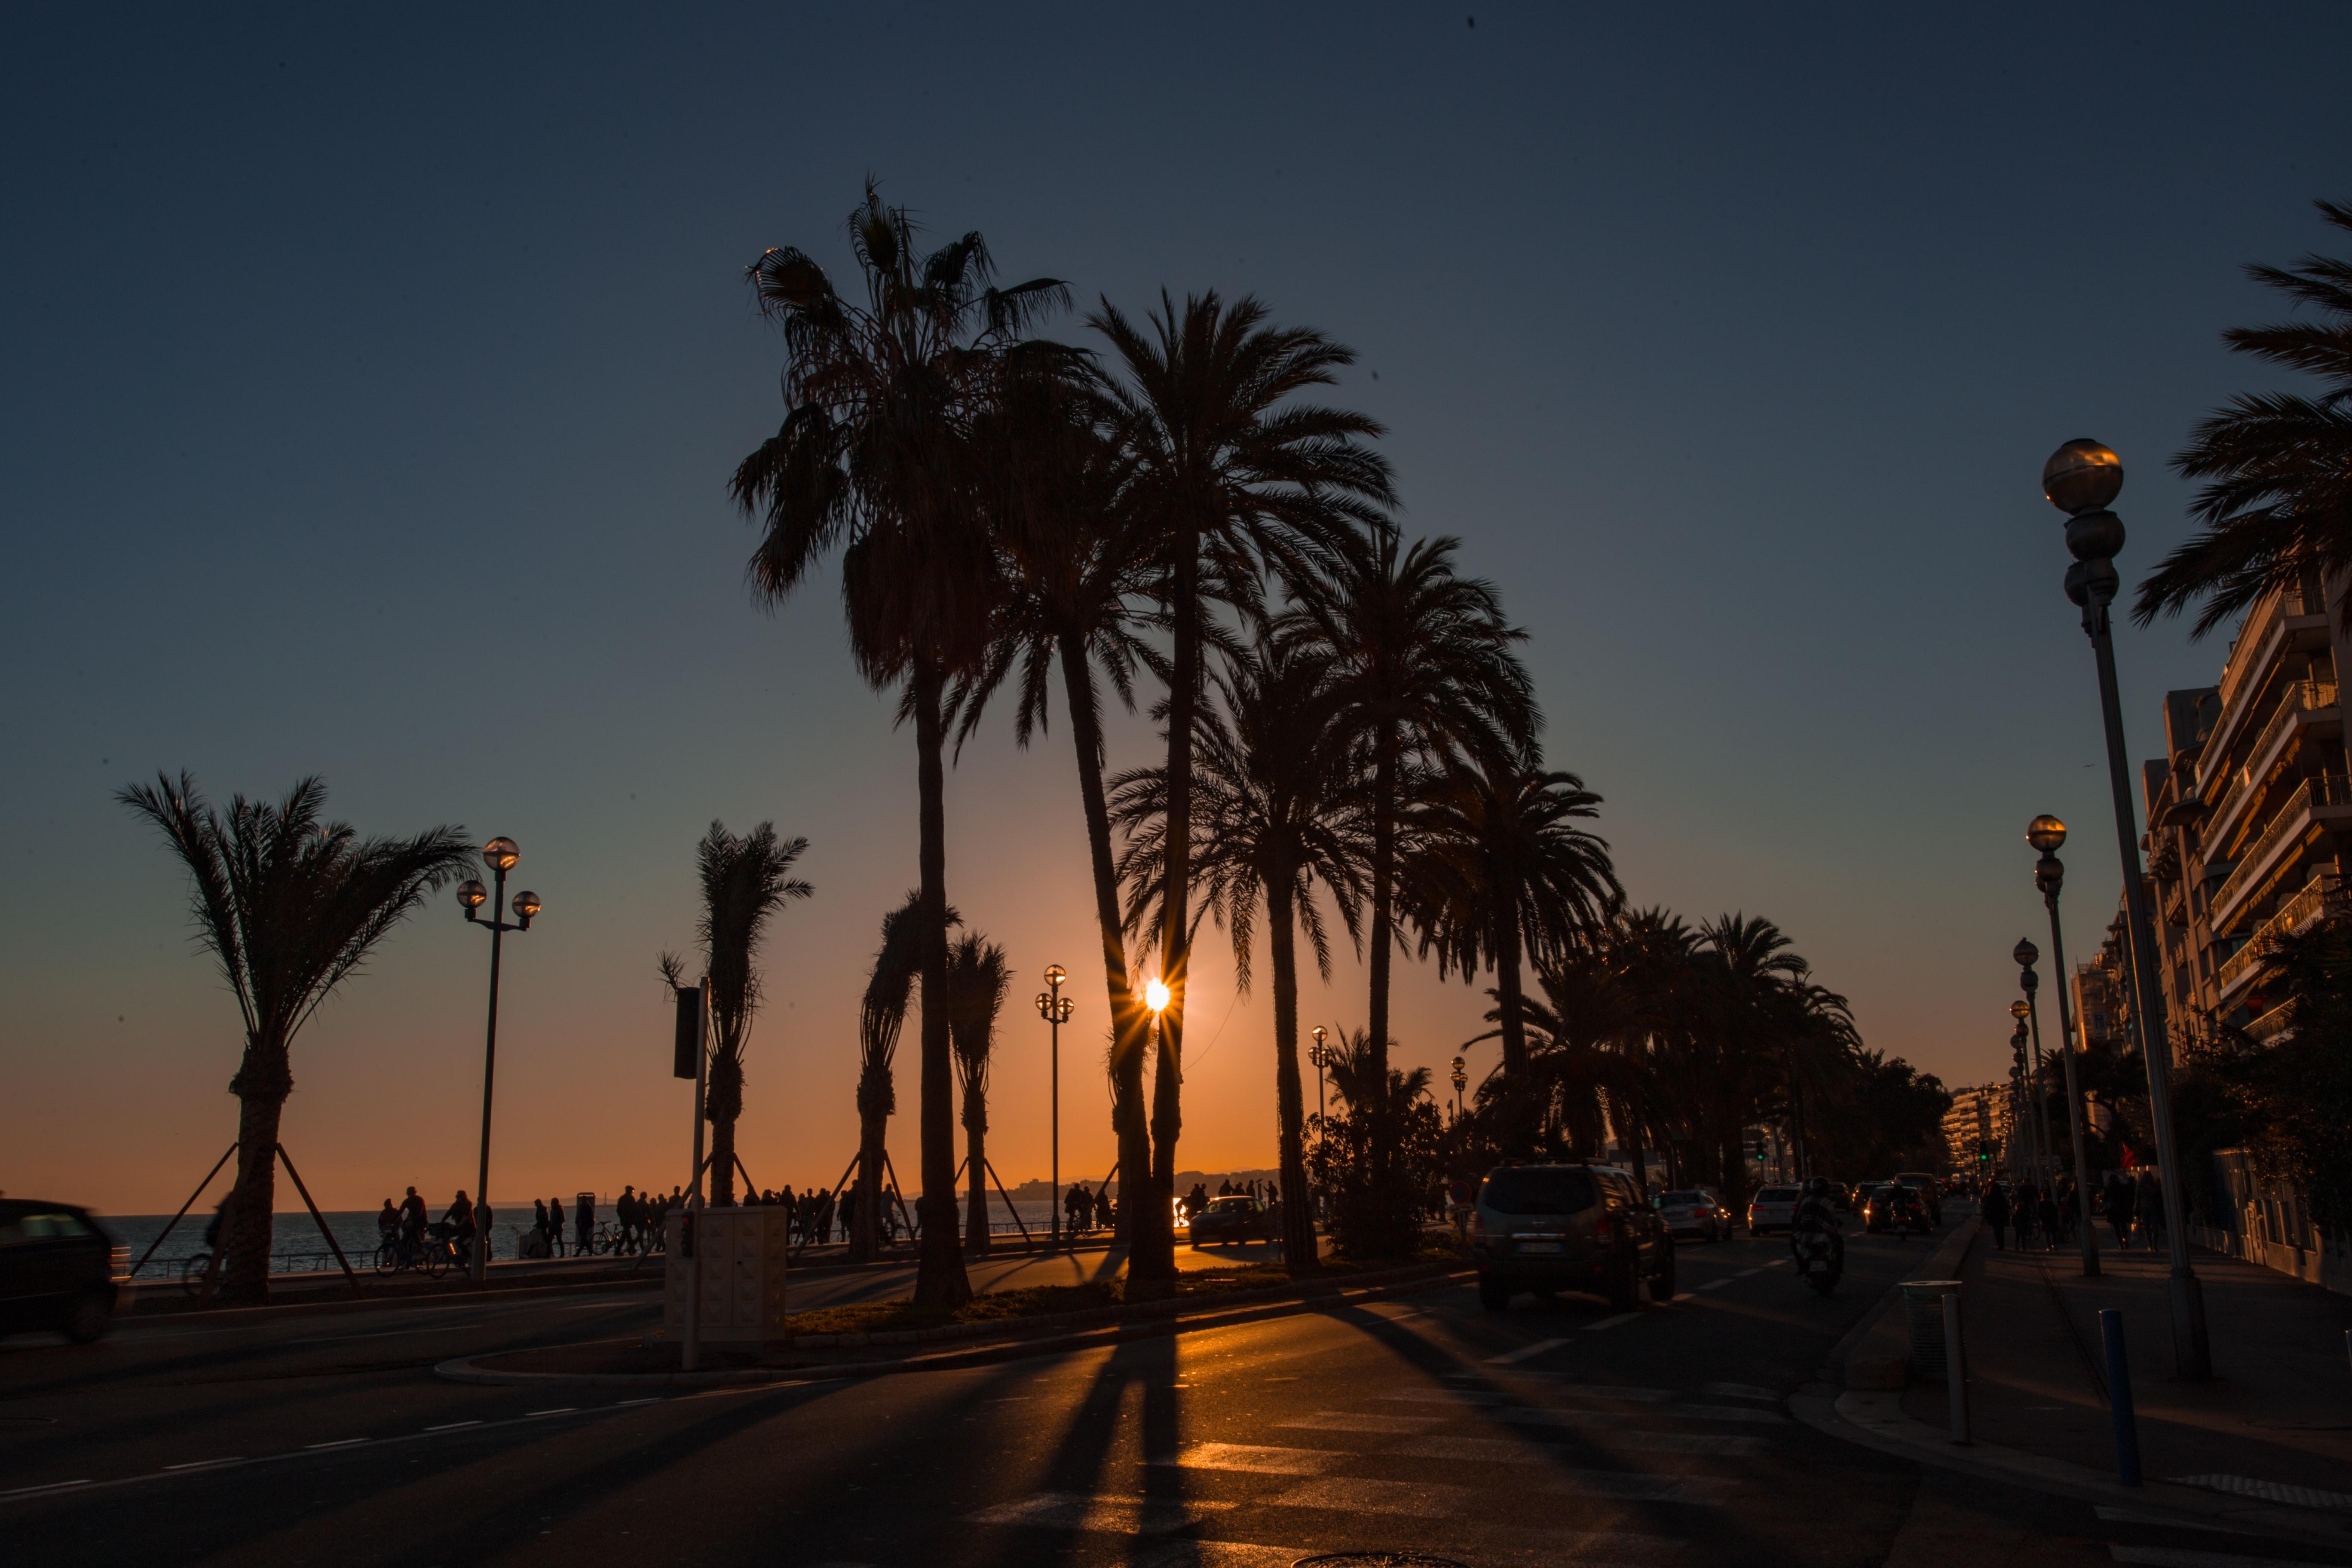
[1384, 815]
[1151, 1236]
[1299, 1251]
[975, 1144]
[865, 1218]
[262, 1083]
[1130, 1021]
[725, 1100]
[939, 1278]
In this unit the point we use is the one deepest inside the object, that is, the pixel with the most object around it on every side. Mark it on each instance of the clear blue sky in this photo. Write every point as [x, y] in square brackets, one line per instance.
[372, 382]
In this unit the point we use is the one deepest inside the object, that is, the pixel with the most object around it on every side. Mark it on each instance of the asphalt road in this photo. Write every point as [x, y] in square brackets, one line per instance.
[1553, 1434]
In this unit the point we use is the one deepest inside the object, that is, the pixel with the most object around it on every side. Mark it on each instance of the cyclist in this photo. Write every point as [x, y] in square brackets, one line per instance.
[457, 1224]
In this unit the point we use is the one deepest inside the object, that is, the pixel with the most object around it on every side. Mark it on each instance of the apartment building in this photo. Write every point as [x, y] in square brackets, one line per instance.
[2250, 823]
[1979, 1115]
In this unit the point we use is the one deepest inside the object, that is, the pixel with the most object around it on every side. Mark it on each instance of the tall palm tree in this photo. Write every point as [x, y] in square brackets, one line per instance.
[1273, 819]
[2278, 502]
[1746, 967]
[1079, 557]
[874, 457]
[746, 879]
[881, 1015]
[978, 978]
[289, 907]
[1233, 474]
[1501, 874]
[1429, 675]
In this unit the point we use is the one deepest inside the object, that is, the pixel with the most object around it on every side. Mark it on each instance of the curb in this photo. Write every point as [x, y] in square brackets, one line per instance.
[463, 1370]
[1876, 1352]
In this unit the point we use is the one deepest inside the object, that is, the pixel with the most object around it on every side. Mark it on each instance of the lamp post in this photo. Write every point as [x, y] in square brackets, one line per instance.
[2026, 954]
[1461, 1076]
[2047, 833]
[2080, 478]
[2018, 1010]
[2020, 1121]
[1055, 1008]
[1320, 1055]
[501, 856]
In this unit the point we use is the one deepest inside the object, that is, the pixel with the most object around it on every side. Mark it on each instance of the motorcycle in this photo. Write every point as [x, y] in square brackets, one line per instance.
[1819, 1258]
[1911, 1218]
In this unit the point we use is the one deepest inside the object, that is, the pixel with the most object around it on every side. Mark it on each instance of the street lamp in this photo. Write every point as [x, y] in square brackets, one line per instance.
[2020, 1125]
[501, 856]
[1461, 1076]
[1320, 1055]
[2045, 834]
[1055, 1008]
[2020, 1011]
[2026, 953]
[2080, 478]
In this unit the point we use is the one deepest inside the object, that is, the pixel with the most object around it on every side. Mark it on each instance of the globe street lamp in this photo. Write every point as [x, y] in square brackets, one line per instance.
[2020, 1125]
[1055, 1008]
[2025, 954]
[2080, 478]
[1320, 1055]
[501, 856]
[2045, 834]
[2019, 1011]
[1461, 1076]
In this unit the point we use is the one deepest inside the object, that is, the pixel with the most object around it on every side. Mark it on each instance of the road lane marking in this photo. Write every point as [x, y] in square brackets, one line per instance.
[1485, 1451]
[45, 1487]
[2165, 1522]
[1116, 1516]
[206, 1464]
[1353, 1421]
[650, 1399]
[1716, 1284]
[1448, 1396]
[1254, 1457]
[558, 1410]
[452, 1425]
[1746, 1272]
[2271, 1492]
[1524, 1351]
[1620, 1319]
[1349, 1494]
[338, 1443]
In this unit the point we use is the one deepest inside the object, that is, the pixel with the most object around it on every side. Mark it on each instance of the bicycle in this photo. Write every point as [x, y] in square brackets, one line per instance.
[430, 1257]
[192, 1269]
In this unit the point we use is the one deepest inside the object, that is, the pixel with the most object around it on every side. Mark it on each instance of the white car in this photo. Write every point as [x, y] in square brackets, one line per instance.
[1695, 1211]
[1772, 1208]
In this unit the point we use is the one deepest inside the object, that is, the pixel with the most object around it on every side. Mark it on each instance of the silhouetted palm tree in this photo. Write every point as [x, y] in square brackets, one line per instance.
[1427, 667]
[881, 1015]
[1273, 819]
[873, 457]
[745, 880]
[978, 978]
[1739, 984]
[2279, 500]
[289, 907]
[1232, 475]
[1078, 556]
[1500, 873]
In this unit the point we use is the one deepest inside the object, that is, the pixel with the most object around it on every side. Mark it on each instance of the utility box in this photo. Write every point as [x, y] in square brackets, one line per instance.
[742, 1252]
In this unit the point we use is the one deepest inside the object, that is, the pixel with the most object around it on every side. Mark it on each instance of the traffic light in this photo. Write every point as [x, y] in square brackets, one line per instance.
[1757, 1151]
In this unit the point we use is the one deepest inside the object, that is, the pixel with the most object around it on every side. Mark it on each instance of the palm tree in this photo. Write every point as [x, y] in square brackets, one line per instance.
[881, 1015]
[1232, 475]
[1744, 970]
[1273, 819]
[874, 457]
[289, 907]
[1078, 556]
[2278, 502]
[1429, 675]
[978, 978]
[1500, 873]
[745, 880]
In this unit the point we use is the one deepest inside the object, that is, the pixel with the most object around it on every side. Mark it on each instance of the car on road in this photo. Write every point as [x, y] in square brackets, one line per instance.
[56, 1271]
[1547, 1228]
[1696, 1212]
[1929, 1189]
[1772, 1208]
[1237, 1218]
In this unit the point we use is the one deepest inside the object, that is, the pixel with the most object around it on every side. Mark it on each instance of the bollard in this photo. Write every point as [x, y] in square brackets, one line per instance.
[1956, 1369]
[2120, 1398]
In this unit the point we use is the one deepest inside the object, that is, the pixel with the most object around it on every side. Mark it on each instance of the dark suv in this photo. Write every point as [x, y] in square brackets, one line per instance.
[56, 1271]
[1569, 1227]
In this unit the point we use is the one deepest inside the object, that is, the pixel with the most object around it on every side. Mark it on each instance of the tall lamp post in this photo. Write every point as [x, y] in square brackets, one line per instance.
[2047, 833]
[1055, 1008]
[1461, 1076]
[1320, 1055]
[2020, 1124]
[501, 856]
[2081, 477]
[2018, 1039]
[2027, 954]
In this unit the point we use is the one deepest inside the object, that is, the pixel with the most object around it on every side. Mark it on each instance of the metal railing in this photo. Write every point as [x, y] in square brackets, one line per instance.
[2297, 913]
[2290, 818]
[2299, 697]
[2253, 635]
[2270, 1024]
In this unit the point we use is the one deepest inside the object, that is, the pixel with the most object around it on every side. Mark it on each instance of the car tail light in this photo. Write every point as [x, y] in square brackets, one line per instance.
[1604, 1230]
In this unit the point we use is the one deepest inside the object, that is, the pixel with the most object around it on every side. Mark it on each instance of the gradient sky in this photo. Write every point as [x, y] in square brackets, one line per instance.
[372, 382]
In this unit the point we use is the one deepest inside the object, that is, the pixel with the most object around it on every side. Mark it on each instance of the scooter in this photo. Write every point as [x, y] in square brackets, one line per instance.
[1819, 1258]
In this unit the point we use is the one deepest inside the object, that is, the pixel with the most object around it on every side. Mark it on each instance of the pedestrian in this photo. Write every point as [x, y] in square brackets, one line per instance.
[584, 1223]
[457, 1224]
[555, 1225]
[542, 1246]
[2048, 1216]
[2120, 1196]
[1996, 1215]
[387, 1222]
[2148, 1202]
[624, 1209]
[412, 1217]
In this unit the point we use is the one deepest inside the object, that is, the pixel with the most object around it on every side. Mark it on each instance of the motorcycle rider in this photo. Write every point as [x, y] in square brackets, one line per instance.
[1815, 1215]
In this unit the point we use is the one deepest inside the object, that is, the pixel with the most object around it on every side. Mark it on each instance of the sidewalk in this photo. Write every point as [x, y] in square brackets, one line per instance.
[2277, 1416]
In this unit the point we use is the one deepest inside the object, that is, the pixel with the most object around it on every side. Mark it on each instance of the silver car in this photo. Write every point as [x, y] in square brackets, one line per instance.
[1695, 1211]
[1772, 1208]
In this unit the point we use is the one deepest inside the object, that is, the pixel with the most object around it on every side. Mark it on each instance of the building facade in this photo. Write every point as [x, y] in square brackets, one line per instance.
[1979, 1118]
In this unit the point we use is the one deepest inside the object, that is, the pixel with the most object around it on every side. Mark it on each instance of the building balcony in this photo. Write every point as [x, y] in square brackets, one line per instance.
[2279, 622]
[2268, 1028]
[2325, 801]
[2322, 897]
[2307, 706]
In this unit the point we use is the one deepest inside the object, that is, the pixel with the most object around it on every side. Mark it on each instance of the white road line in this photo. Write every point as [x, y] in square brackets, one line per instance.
[1620, 1317]
[1349, 1494]
[205, 1464]
[1254, 1457]
[1115, 1516]
[1485, 1451]
[650, 1399]
[2179, 1557]
[2165, 1522]
[1524, 1351]
[2271, 1492]
[1351, 1421]
[45, 1487]
[1448, 1396]
[1746, 1272]
[338, 1443]
[1716, 1284]
[558, 1410]
[452, 1425]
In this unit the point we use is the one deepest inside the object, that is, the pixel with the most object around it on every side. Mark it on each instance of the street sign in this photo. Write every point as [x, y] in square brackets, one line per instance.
[687, 1047]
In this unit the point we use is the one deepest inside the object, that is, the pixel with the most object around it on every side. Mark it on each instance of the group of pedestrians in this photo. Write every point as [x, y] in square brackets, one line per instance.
[404, 1226]
[2043, 1218]
[1083, 1210]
